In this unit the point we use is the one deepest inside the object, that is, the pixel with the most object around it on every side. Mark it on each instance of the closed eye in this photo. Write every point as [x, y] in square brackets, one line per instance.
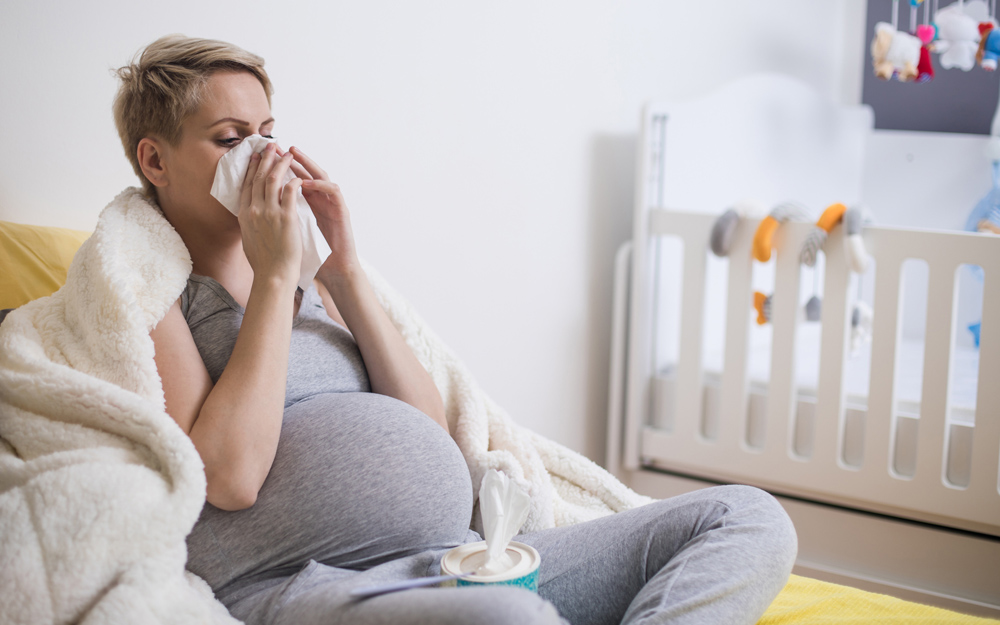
[232, 142]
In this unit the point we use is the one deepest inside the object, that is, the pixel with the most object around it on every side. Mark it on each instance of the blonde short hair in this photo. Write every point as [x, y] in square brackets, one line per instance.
[162, 87]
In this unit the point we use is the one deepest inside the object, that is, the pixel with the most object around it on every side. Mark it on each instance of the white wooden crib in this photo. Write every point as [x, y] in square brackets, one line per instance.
[891, 491]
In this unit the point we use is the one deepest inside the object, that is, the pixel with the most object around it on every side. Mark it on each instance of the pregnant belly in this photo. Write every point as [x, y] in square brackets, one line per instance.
[358, 479]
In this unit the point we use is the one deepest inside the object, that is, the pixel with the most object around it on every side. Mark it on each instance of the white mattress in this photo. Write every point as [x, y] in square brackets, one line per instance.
[909, 368]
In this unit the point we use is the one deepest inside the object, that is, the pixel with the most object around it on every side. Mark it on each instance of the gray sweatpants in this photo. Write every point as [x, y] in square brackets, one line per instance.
[718, 555]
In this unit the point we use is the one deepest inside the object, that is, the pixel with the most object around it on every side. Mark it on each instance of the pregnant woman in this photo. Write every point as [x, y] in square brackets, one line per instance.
[328, 459]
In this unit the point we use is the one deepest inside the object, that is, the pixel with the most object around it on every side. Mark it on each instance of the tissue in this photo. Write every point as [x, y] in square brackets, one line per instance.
[228, 184]
[504, 509]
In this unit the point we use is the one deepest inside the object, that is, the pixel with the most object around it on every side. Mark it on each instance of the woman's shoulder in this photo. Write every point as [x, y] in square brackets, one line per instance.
[203, 297]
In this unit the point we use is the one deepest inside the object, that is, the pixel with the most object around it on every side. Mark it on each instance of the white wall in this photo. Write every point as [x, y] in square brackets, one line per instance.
[486, 149]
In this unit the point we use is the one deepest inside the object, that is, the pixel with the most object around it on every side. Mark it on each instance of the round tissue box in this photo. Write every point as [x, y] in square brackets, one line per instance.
[465, 558]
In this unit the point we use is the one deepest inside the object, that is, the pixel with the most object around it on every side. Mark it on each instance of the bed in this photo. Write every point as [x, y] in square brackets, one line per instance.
[33, 263]
[886, 456]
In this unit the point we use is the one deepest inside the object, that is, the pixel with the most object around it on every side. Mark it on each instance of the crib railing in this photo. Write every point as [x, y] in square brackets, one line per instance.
[870, 481]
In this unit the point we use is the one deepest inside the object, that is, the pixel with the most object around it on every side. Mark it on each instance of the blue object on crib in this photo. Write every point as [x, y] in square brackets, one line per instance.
[987, 209]
[974, 328]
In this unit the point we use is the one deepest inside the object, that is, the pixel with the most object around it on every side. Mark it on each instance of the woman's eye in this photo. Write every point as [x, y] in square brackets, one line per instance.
[267, 136]
[230, 142]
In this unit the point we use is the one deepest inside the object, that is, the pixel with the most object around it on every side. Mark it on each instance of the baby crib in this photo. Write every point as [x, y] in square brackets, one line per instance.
[886, 456]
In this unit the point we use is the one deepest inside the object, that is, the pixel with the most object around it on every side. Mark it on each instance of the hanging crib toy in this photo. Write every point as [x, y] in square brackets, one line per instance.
[962, 34]
[723, 233]
[901, 55]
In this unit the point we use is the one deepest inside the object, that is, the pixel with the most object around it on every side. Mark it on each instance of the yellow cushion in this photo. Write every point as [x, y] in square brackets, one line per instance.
[806, 601]
[34, 260]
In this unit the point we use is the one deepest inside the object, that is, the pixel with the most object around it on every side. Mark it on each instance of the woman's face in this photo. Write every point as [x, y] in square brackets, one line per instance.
[233, 106]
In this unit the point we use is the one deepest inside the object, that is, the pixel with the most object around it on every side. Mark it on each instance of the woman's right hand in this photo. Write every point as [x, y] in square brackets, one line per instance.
[272, 239]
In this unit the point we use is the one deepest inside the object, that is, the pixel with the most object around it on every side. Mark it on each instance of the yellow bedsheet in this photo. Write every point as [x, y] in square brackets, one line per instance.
[806, 601]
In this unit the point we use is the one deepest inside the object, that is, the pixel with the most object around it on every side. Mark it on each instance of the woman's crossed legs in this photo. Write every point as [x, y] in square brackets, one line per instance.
[718, 555]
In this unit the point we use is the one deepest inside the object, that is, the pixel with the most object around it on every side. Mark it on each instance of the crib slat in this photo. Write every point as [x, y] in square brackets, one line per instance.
[784, 313]
[689, 376]
[881, 391]
[986, 439]
[733, 410]
[833, 344]
[936, 374]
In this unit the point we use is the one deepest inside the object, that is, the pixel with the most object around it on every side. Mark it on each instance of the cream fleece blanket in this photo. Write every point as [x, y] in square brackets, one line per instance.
[98, 485]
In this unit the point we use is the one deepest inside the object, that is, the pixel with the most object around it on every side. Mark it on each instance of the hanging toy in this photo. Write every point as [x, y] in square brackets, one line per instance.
[762, 239]
[812, 311]
[895, 53]
[854, 245]
[725, 226]
[880, 51]
[926, 33]
[857, 255]
[763, 243]
[925, 69]
[857, 259]
[762, 304]
[861, 326]
[989, 46]
[957, 36]
[833, 215]
[814, 308]
[723, 232]
[817, 237]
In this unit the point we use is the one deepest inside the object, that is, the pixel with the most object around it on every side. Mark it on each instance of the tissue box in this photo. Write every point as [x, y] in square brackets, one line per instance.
[469, 557]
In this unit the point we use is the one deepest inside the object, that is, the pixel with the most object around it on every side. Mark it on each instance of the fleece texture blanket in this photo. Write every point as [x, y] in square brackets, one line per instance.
[98, 485]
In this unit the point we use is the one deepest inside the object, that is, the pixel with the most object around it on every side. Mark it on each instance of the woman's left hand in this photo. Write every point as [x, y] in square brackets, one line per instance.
[332, 217]
[393, 369]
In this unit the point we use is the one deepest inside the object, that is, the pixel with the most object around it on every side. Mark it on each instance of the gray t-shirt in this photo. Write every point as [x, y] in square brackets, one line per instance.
[358, 478]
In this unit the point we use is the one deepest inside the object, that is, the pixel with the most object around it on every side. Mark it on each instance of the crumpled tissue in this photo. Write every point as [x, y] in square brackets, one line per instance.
[504, 509]
[228, 184]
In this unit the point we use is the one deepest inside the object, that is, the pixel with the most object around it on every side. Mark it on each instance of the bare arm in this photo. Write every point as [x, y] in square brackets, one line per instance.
[392, 367]
[235, 425]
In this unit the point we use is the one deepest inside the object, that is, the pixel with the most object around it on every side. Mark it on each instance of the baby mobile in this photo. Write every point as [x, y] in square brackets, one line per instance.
[962, 34]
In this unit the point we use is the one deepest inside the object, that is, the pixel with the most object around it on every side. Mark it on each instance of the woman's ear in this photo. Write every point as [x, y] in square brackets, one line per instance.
[150, 153]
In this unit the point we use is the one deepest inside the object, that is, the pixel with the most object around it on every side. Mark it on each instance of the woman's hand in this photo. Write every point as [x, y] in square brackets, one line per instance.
[393, 369]
[272, 239]
[332, 217]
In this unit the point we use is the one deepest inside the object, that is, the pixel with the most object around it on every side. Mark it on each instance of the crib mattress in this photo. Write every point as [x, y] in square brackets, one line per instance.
[909, 370]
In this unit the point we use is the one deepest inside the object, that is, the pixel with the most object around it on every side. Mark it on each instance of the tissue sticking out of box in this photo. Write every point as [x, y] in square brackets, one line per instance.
[504, 509]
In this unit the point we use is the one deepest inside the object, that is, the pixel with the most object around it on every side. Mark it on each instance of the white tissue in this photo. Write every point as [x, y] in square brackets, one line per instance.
[228, 184]
[504, 509]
